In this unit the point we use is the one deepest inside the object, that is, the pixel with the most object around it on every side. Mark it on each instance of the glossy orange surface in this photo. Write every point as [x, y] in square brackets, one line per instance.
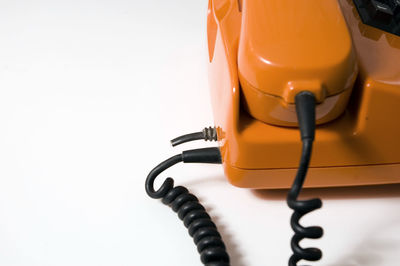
[362, 146]
[286, 45]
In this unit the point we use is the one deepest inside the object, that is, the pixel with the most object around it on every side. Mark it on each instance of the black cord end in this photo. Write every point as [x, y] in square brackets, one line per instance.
[186, 138]
[208, 133]
[305, 109]
[205, 155]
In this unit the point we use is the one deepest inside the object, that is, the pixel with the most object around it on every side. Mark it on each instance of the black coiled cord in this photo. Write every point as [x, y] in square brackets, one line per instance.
[305, 108]
[302, 207]
[195, 218]
[204, 232]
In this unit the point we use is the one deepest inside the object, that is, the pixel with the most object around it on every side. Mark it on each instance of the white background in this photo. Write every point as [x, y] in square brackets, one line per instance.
[91, 92]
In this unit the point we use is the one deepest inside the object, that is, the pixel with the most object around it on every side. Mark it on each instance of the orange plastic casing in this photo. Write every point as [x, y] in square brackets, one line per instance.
[287, 46]
[358, 141]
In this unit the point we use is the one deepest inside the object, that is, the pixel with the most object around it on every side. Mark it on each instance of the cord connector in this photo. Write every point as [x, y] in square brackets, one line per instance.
[205, 155]
[305, 109]
[208, 134]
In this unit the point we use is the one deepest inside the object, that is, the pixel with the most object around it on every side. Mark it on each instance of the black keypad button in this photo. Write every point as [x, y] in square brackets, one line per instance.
[381, 14]
[380, 11]
[395, 6]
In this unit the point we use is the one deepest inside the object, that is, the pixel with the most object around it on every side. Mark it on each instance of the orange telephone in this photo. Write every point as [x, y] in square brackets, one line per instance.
[263, 52]
[330, 68]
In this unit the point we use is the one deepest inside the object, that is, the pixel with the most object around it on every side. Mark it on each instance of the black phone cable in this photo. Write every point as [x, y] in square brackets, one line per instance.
[195, 218]
[305, 109]
[208, 133]
[200, 226]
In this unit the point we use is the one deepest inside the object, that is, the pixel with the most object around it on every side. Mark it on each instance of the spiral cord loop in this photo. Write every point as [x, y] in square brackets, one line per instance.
[301, 208]
[305, 110]
[194, 216]
[196, 219]
[200, 226]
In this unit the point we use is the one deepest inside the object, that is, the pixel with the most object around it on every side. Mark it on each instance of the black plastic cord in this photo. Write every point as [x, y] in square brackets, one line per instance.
[208, 133]
[305, 109]
[200, 226]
